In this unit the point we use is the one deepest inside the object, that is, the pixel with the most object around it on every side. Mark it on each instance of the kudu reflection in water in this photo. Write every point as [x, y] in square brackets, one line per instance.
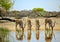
[50, 23]
[37, 34]
[20, 35]
[48, 35]
[29, 35]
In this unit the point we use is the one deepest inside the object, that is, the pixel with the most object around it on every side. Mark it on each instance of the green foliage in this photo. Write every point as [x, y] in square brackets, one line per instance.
[37, 9]
[7, 4]
[3, 34]
[18, 31]
[4, 30]
[40, 10]
[48, 30]
[15, 12]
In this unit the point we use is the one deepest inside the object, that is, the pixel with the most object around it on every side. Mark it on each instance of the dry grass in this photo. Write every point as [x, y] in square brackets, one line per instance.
[11, 25]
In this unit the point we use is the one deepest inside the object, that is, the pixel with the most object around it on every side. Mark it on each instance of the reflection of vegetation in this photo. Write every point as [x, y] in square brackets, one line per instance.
[48, 34]
[19, 34]
[18, 31]
[4, 35]
[37, 34]
[29, 35]
[48, 31]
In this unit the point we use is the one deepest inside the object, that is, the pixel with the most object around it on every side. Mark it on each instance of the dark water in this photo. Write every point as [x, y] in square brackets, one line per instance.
[34, 36]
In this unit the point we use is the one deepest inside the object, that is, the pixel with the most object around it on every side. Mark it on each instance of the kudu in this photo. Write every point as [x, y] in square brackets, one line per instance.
[20, 23]
[37, 24]
[50, 23]
[29, 24]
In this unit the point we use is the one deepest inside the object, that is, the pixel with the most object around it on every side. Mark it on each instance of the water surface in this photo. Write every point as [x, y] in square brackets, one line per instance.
[34, 36]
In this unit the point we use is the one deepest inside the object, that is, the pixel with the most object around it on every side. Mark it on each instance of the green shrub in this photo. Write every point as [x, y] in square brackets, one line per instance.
[3, 34]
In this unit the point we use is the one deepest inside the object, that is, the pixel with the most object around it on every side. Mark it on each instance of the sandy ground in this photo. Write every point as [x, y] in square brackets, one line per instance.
[11, 25]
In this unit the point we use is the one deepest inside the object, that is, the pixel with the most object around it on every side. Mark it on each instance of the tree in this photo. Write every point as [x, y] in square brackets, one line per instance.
[2, 12]
[6, 5]
[39, 11]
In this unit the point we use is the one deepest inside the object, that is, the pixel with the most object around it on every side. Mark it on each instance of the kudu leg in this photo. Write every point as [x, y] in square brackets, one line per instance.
[45, 26]
[16, 26]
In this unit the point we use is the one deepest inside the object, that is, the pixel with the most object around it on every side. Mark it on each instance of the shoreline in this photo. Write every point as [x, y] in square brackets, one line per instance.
[55, 29]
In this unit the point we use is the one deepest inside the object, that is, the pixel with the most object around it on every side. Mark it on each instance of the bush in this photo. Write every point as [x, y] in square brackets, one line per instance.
[3, 34]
